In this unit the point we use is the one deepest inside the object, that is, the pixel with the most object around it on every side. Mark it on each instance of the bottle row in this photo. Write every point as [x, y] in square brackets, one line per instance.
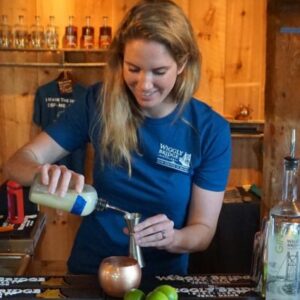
[36, 37]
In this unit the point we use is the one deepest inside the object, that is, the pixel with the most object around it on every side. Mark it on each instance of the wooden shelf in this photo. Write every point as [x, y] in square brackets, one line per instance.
[59, 58]
[258, 122]
[247, 129]
[53, 50]
[54, 65]
[247, 136]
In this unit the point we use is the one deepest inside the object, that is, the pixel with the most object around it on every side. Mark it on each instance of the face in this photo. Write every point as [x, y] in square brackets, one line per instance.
[150, 73]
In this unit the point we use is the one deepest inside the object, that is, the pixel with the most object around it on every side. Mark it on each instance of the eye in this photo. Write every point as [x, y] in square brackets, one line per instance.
[133, 70]
[159, 71]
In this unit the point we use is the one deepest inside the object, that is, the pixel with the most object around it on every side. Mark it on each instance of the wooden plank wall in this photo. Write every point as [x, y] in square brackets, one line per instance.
[245, 71]
[231, 36]
[244, 82]
[282, 93]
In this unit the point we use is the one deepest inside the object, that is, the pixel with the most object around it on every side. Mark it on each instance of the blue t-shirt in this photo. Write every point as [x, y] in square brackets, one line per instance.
[49, 104]
[174, 153]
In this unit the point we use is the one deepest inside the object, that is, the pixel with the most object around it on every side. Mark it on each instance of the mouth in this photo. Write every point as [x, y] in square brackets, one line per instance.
[146, 96]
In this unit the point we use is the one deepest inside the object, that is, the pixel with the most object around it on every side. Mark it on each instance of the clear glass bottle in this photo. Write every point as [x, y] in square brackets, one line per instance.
[5, 33]
[37, 37]
[70, 39]
[20, 33]
[259, 258]
[105, 34]
[87, 35]
[51, 35]
[283, 250]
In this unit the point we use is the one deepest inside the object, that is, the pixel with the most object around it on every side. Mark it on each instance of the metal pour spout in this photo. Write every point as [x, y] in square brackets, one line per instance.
[102, 204]
[293, 143]
[117, 209]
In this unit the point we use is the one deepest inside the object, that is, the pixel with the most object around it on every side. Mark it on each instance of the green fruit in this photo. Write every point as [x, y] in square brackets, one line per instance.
[134, 294]
[156, 295]
[168, 290]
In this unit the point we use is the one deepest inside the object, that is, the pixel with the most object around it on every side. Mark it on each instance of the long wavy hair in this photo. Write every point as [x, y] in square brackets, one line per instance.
[161, 21]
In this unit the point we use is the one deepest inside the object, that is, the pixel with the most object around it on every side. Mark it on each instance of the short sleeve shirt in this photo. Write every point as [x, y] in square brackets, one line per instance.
[175, 152]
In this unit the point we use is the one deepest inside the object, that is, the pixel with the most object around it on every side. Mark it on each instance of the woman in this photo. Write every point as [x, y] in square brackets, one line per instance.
[158, 151]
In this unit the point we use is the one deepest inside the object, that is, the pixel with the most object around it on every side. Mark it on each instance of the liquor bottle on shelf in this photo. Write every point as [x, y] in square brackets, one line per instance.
[283, 243]
[37, 38]
[88, 35]
[105, 34]
[5, 33]
[20, 34]
[51, 36]
[70, 38]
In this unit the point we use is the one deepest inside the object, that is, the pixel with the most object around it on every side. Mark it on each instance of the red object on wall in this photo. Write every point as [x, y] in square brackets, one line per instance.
[15, 202]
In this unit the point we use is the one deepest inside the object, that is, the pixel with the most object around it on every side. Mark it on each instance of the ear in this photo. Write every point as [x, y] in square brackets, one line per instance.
[181, 68]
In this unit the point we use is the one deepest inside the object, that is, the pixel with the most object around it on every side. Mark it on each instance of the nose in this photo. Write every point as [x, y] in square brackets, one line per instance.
[145, 81]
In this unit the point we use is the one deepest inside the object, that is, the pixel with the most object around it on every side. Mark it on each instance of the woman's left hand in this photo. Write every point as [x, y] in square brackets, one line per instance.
[157, 231]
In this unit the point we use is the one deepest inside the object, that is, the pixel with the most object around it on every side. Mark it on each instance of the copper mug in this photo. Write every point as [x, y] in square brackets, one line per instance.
[119, 274]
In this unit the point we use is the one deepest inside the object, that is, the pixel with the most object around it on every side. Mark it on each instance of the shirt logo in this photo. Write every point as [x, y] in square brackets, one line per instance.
[173, 158]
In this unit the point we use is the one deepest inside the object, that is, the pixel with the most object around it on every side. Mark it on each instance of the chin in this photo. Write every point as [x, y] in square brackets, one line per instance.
[147, 104]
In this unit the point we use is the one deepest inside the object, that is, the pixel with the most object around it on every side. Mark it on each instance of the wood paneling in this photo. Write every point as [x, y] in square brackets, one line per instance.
[244, 68]
[209, 21]
[230, 34]
[246, 161]
[282, 93]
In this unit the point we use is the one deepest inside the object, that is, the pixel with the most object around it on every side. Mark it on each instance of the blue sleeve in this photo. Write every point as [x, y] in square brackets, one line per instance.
[212, 174]
[71, 130]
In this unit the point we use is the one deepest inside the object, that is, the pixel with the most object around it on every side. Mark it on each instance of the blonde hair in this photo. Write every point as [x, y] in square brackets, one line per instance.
[157, 20]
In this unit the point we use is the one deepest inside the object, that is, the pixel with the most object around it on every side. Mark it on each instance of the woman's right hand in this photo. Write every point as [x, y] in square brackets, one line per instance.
[59, 179]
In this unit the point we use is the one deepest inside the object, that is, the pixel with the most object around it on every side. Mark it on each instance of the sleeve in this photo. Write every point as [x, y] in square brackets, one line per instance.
[212, 174]
[71, 130]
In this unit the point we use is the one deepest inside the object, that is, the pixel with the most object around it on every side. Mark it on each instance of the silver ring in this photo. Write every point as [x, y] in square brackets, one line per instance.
[163, 234]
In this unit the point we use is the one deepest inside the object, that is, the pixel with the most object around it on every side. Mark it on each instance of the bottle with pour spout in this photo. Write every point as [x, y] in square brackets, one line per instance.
[283, 251]
[81, 204]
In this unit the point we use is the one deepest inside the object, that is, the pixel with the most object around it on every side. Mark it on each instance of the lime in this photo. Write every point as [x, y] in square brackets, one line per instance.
[156, 295]
[168, 290]
[134, 294]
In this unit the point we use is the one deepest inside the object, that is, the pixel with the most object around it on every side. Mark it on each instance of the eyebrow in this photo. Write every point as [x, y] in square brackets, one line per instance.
[154, 69]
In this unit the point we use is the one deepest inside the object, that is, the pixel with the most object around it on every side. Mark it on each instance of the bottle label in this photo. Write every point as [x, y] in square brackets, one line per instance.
[283, 278]
[105, 41]
[71, 41]
[78, 205]
[52, 39]
[88, 41]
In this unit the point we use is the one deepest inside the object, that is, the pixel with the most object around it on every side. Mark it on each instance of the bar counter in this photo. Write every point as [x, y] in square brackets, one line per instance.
[87, 287]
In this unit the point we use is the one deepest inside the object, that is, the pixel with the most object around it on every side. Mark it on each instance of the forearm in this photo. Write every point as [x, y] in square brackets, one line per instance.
[191, 238]
[201, 224]
[22, 167]
[158, 231]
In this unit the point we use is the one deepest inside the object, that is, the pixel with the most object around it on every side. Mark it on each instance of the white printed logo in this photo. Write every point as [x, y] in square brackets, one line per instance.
[174, 158]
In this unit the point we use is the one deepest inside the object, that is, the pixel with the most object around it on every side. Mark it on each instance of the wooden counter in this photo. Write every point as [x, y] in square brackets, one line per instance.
[87, 287]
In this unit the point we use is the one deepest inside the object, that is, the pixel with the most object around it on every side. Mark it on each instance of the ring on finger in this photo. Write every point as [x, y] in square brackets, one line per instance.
[163, 234]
